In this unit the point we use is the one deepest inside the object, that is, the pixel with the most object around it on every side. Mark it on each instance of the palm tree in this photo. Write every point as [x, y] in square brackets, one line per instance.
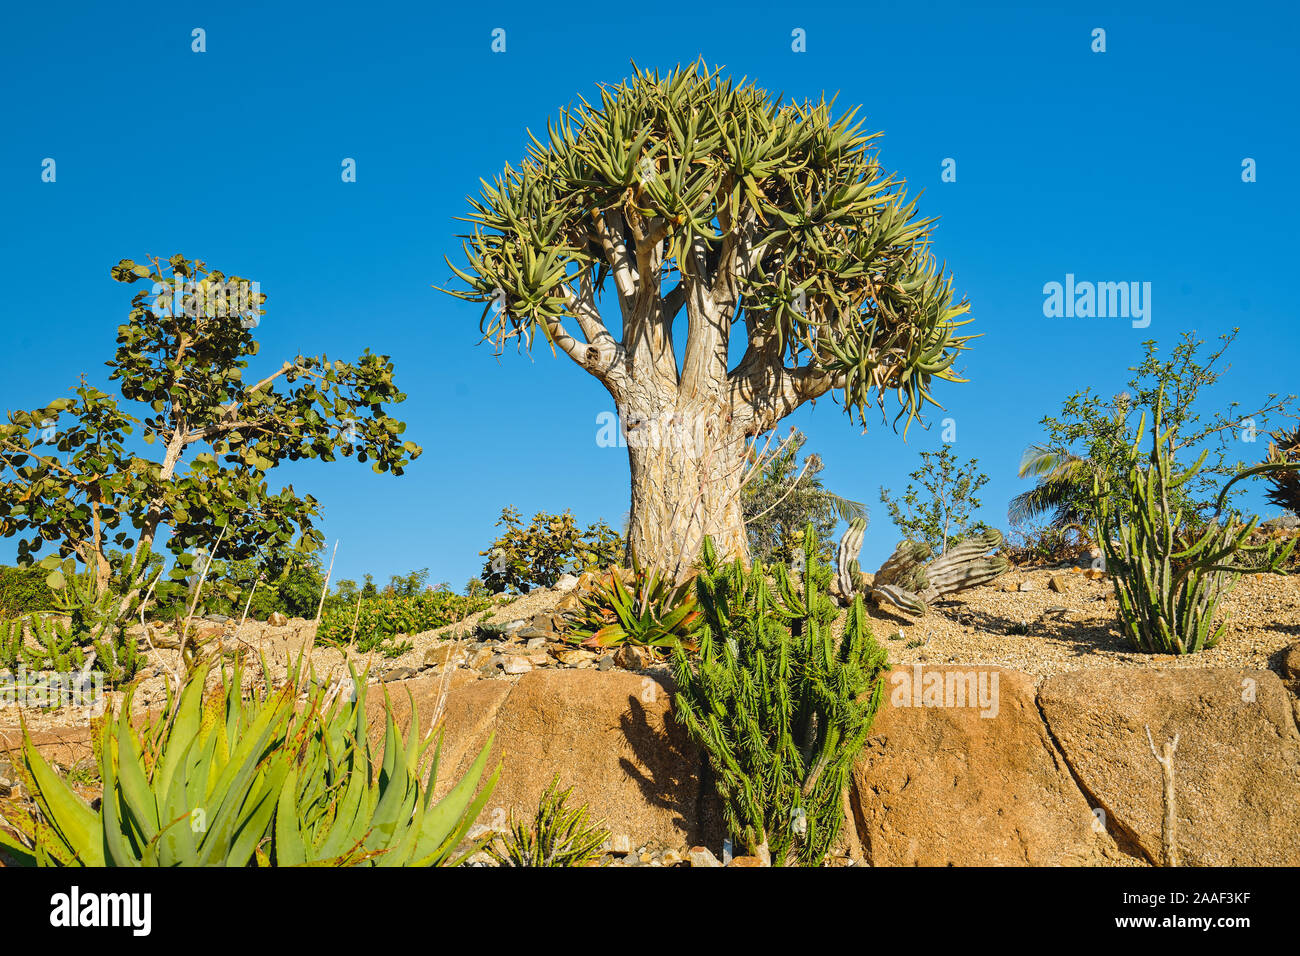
[1064, 483]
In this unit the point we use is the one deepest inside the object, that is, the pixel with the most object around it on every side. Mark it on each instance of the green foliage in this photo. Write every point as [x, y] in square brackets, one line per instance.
[689, 169]
[65, 473]
[556, 836]
[523, 558]
[783, 497]
[647, 611]
[781, 707]
[23, 590]
[222, 781]
[1171, 571]
[383, 618]
[939, 512]
[1092, 437]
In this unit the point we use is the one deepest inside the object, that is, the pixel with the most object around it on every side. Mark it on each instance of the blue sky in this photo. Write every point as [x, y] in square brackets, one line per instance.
[1115, 166]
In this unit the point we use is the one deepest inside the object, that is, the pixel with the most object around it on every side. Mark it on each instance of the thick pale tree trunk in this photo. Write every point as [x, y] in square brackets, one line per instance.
[686, 469]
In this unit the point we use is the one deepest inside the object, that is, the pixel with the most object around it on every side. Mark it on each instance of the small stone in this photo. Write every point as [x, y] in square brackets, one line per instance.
[671, 858]
[574, 656]
[605, 663]
[277, 620]
[447, 654]
[482, 656]
[1094, 574]
[1026, 586]
[745, 861]
[570, 602]
[516, 665]
[702, 856]
[398, 673]
[632, 658]
[537, 642]
[566, 582]
[533, 633]
[647, 857]
[516, 625]
[1291, 663]
[620, 844]
[1058, 584]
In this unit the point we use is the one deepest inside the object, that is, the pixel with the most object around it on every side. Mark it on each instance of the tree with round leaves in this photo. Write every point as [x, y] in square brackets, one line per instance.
[694, 192]
[69, 478]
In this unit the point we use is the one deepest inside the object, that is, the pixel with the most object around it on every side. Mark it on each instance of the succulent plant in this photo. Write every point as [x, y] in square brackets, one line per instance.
[911, 584]
[556, 836]
[217, 780]
[649, 611]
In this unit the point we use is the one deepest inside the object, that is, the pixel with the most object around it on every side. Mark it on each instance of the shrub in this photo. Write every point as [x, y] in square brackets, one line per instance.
[383, 618]
[222, 781]
[556, 836]
[938, 513]
[23, 590]
[780, 706]
[523, 558]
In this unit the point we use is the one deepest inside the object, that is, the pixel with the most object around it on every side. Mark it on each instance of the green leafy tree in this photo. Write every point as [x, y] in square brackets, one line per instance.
[1093, 438]
[69, 480]
[757, 216]
[783, 496]
[534, 556]
[938, 513]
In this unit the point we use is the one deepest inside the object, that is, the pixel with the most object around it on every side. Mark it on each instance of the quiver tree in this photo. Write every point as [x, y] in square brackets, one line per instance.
[694, 193]
[69, 476]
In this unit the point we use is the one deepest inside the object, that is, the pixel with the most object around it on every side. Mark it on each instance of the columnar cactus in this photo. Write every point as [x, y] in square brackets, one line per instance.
[1170, 578]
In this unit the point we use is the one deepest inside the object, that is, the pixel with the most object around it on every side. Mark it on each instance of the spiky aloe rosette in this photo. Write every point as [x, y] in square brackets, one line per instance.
[220, 780]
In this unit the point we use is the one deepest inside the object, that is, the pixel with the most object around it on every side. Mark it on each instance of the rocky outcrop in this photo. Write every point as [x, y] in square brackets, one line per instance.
[608, 734]
[1237, 765]
[959, 771]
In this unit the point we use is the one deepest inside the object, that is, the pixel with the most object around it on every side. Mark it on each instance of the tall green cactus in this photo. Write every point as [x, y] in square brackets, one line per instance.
[780, 706]
[1170, 578]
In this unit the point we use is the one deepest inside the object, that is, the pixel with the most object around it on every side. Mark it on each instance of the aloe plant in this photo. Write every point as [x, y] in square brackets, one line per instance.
[218, 780]
[653, 612]
[557, 835]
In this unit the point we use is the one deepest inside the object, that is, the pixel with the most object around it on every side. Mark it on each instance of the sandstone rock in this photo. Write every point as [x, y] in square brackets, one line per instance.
[632, 658]
[1058, 584]
[277, 619]
[452, 654]
[702, 856]
[610, 736]
[1291, 663]
[944, 786]
[671, 858]
[514, 664]
[1237, 766]
[574, 656]
[534, 633]
[566, 582]
[746, 861]
[1026, 586]
[620, 844]
[569, 603]
[1094, 574]
[397, 673]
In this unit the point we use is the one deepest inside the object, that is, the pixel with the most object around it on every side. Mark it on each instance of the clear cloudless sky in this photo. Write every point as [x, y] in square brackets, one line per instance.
[1117, 166]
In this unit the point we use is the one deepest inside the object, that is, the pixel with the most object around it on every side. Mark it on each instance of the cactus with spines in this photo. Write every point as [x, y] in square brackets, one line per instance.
[1170, 577]
[779, 704]
[910, 581]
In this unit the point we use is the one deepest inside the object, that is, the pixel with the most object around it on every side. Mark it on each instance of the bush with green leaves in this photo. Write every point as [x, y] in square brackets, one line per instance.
[938, 513]
[1171, 570]
[381, 619]
[23, 590]
[220, 780]
[536, 555]
[558, 835]
[780, 706]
